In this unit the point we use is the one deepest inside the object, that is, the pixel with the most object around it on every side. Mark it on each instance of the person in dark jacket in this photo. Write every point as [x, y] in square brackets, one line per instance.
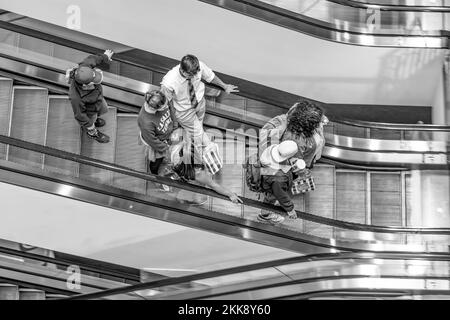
[156, 125]
[86, 94]
[277, 177]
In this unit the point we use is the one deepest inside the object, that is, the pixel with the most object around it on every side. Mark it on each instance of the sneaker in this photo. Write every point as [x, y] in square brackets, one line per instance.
[271, 218]
[198, 202]
[99, 122]
[163, 187]
[97, 135]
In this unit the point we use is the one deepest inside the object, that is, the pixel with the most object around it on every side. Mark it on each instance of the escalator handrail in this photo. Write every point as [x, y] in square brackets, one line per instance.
[206, 191]
[259, 266]
[394, 126]
[92, 50]
[87, 264]
[273, 9]
[390, 7]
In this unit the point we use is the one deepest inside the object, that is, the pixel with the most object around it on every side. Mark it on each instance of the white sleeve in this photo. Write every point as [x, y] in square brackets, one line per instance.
[207, 74]
[168, 81]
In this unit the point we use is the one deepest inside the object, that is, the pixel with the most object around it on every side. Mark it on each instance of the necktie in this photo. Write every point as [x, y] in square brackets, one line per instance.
[192, 96]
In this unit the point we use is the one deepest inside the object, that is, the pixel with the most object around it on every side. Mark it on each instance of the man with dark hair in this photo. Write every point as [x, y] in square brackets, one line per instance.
[86, 94]
[184, 87]
[303, 123]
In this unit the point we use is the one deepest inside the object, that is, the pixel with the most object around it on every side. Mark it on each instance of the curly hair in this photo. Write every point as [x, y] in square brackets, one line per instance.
[305, 118]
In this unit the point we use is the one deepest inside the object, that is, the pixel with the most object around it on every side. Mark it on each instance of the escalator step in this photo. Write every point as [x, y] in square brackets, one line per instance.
[29, 122]
[31, 294]
[321, 201]
[6, 86]
[129, 153]
[351, 196]
[102, 151]
[9, 291]
[63, 133]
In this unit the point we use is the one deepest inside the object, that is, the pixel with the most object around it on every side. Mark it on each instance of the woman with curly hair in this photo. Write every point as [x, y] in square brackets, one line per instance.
[303, 123]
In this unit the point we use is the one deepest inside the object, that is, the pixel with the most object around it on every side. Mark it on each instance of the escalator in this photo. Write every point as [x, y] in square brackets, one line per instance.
[359, 160]
[318, 276]
[33, 273]
[354, 22]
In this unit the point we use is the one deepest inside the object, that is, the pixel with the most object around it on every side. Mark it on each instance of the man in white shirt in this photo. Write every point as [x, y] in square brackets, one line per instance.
[183, 86]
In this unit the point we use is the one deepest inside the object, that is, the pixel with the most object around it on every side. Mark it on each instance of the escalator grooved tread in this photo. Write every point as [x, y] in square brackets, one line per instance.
[63, 133]
[28, 122]
[129, 153]
[6, 91]
[102, 151]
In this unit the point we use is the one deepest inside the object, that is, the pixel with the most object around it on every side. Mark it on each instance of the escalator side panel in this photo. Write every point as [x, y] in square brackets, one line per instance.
[321, 201]
[35, 45]
[408, 200]
[63, 133]
[386, 199]
[65, 53]
[29, 122]
[351, 195]
[6, 86]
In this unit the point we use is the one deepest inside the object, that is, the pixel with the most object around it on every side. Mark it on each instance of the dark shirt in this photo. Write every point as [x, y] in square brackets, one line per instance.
[86, 103]
[156, 128]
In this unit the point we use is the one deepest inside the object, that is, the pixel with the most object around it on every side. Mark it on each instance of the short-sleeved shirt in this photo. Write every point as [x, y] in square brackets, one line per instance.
[178, 86]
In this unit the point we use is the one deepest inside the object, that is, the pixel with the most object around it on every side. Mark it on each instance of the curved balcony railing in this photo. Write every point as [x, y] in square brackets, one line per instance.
[300, 276]
[389, 5]
[350, 22]
[407, 5]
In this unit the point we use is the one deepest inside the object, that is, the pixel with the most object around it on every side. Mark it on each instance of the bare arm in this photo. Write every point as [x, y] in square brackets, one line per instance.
[206, 179]
[228, 88]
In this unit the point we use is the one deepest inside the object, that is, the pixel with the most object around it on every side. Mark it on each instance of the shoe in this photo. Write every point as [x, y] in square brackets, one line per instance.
[271, 218]
[99, 123]
[97, 135]
[198, 203]
[163, 187]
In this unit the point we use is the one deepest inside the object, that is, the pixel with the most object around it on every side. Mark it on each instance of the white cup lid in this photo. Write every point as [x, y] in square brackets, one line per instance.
[300, 164]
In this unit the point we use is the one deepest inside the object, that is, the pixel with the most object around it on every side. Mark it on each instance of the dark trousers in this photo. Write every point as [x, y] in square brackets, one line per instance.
[154, 165]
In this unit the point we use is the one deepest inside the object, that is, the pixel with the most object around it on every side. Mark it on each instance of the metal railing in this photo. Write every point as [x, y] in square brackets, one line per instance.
[206, 191]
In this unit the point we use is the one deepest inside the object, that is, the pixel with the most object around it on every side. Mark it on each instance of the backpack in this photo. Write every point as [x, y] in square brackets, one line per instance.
[253, 173]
